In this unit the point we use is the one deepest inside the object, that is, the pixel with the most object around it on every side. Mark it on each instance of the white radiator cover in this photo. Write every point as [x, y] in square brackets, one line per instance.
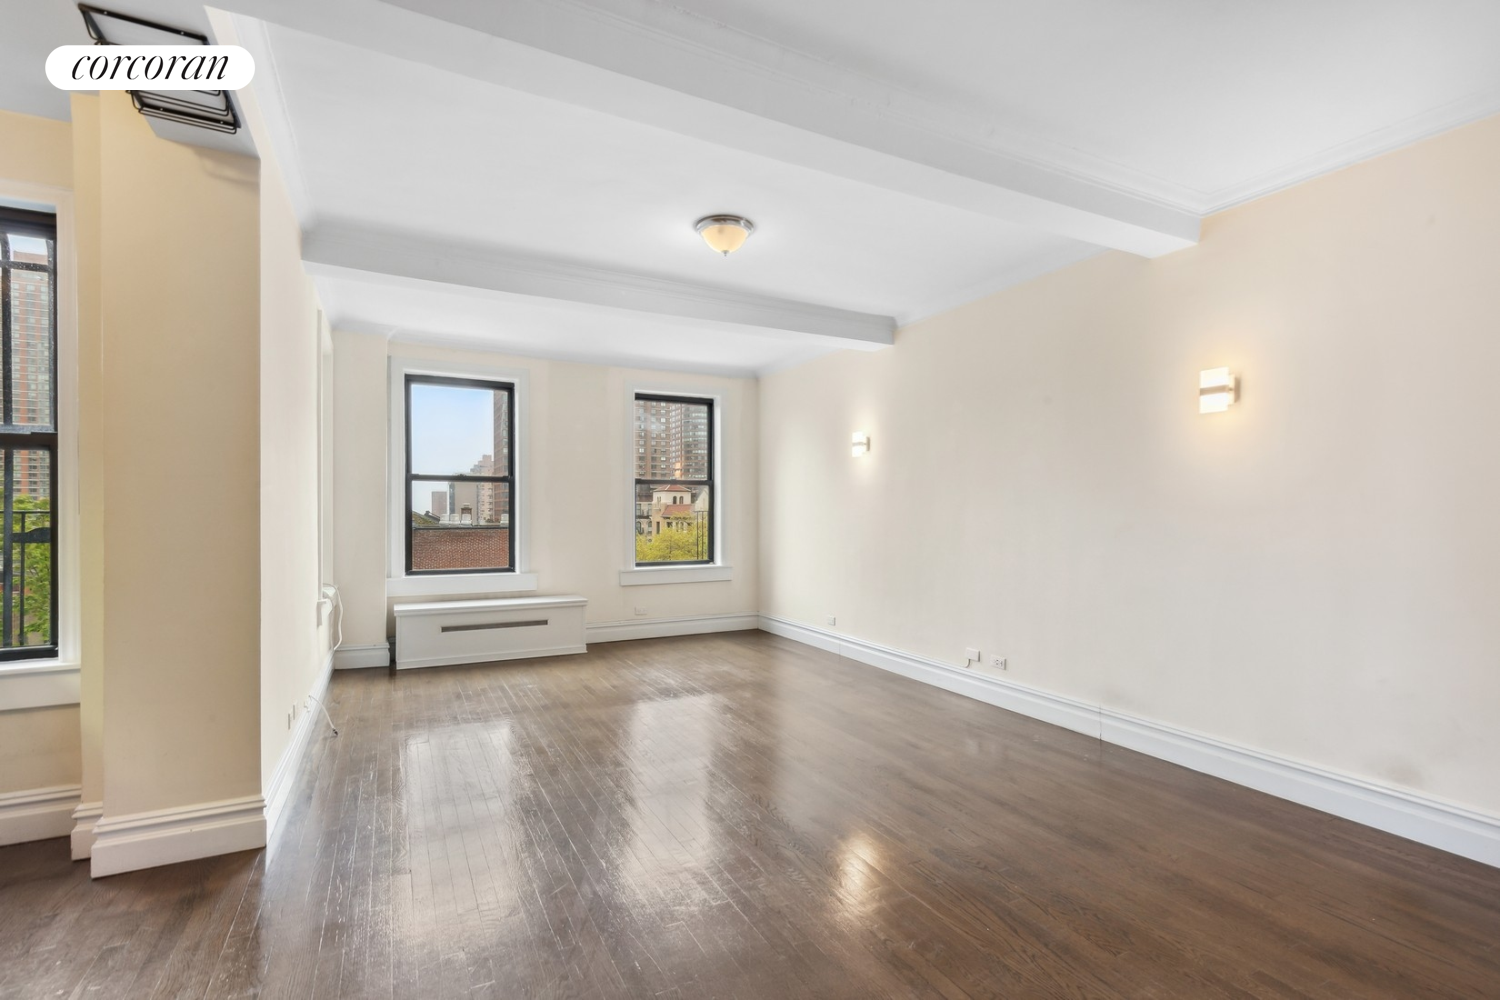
[439, 633]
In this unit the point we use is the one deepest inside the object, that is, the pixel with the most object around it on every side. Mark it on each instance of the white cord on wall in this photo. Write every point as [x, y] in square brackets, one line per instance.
[335, 605]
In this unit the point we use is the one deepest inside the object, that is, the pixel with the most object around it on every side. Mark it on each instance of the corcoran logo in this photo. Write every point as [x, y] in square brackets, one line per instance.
[150, 67]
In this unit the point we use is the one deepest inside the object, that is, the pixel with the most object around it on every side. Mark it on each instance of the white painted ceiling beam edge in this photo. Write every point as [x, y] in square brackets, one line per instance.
[436, 338]
[772, 103]
[400, 257]
[270, 123]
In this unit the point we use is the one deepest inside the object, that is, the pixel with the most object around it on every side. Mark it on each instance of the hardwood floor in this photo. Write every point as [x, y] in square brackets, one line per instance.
[742, 816]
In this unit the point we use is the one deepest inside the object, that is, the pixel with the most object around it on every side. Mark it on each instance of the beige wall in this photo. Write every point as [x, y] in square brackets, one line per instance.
[1311, 573]
[85, 108]
[293, 642]
[36, 150]
[38, 747]
[577, 486]
[180, 303]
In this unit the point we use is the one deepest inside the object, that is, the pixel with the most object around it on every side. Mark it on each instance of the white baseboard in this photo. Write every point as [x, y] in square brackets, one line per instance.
[1426, 820]
[279, 788]
[82, 837]
[655, 628]
[361, 657]
[167, 836]
[1059, 710]
[37, 813]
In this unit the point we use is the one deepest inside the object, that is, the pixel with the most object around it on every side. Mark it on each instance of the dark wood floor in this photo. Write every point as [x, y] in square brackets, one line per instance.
[741, 816]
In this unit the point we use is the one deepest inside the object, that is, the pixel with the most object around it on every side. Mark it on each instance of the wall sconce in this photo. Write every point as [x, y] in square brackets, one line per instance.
[1217, 390]
[861, 444]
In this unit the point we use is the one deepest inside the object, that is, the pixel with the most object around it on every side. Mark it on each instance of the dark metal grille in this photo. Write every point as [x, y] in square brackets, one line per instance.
[28, 435]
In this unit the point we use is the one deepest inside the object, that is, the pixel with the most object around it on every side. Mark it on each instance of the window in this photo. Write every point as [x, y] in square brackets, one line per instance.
[674, 480]
[28, 434]
[460, 475]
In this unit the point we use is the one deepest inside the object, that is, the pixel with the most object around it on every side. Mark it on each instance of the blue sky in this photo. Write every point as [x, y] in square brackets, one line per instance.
[452, 427]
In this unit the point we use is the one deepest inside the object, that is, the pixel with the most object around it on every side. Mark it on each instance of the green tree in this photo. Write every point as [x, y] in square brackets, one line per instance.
[688, 543]
[33, 612]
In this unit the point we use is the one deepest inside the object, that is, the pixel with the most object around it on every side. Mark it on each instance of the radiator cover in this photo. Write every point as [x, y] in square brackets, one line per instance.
[438, 633]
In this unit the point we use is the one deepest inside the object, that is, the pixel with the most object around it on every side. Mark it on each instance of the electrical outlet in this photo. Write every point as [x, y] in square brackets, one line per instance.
[832, 620]
[972, 655]
[640, 612]
[998, 662]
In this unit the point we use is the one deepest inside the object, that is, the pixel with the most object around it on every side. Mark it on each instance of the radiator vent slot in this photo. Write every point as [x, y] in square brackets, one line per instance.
[488, 625]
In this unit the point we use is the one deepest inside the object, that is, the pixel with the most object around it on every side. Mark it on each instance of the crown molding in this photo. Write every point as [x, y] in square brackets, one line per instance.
[1429, 123]
[429, 338]
[1009, 278]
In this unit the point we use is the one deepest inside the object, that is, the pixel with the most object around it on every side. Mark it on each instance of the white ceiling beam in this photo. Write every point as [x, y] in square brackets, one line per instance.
[402, 258]
[654, 64]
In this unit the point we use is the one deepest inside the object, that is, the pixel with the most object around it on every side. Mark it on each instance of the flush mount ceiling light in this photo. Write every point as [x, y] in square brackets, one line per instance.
[724, 233]
[860, 445]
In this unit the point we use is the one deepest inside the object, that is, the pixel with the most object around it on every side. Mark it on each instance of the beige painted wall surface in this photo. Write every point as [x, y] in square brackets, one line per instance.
[180, 303]
[358, 459]
[85, 109]
[36, 150]
[292, 636]
[38, 747]
[577, 489]
[1311, 573]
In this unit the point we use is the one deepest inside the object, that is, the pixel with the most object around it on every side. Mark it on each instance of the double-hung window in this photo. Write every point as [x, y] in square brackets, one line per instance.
[460, 475]
[28, 434]
[674, 481]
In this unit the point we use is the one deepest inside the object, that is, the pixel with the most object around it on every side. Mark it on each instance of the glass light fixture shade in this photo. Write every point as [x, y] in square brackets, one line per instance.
[860, 444]
[724, 233]
[1218, 388]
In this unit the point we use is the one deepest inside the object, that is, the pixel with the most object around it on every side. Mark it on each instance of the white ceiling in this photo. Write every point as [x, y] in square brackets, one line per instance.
[1201, 98]
[391, 144]
[28, 31]
[898, 158]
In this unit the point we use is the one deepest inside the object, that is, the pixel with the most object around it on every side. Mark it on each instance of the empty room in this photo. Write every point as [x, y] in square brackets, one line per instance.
[749, 499]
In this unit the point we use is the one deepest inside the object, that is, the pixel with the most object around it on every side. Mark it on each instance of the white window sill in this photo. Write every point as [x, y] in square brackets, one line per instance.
[460, 585]
[650, 576]
[37, 684]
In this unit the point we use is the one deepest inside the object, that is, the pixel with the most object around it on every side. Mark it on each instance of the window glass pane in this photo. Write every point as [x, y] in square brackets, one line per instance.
[673, 523]
[459, 525]
[671, 439]
[459, 430]
[32, 249]
[26, 599]
[31, 347]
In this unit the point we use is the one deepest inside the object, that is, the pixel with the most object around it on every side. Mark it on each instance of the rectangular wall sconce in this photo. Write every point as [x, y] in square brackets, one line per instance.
[1217, 390]
[861, 444]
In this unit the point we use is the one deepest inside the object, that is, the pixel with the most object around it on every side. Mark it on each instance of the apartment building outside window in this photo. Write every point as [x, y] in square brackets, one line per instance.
[28, 434]
[674, 480]
[460, 475]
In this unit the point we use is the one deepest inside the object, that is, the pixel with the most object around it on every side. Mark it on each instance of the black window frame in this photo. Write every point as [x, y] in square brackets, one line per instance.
[508, 478]
[711, 482]
[27, 437]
